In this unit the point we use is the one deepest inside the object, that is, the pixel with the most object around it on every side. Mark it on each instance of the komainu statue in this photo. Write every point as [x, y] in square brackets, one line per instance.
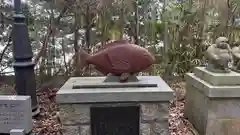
[219, 56]
[236, 58]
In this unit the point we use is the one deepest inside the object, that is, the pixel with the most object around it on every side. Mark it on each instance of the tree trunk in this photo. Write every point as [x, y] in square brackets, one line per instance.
[122, 20]
[64, 57]
[88, 29]
[165, 41]
[87, 34]
[136, 34]
[76, 47]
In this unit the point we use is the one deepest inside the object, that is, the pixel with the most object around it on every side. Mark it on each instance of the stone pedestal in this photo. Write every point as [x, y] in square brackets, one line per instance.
[213, 102]
[153, 101]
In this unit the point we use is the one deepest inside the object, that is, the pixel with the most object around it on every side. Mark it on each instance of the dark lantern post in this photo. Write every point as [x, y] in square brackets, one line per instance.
[22, 52]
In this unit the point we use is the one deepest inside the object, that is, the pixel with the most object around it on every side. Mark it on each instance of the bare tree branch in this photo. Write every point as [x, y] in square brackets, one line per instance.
[6, 47]
[51, 29]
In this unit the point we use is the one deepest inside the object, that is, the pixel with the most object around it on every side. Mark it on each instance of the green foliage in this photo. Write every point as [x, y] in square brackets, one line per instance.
[190, 28]
[29, 17]
[186, 49]
[237, 2]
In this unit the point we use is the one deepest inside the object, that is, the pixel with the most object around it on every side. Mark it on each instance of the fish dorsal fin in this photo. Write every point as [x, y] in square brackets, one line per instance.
[117, 42]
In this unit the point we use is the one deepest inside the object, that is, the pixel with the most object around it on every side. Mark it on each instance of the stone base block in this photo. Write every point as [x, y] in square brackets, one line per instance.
[153, 118]
[213, 110]
[217, 79]
[151, 94]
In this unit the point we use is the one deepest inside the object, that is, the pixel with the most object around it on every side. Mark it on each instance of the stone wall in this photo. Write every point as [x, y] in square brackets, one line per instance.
[75, 118]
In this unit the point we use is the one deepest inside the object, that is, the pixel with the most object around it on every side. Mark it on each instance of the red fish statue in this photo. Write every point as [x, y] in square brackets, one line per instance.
[121, 59]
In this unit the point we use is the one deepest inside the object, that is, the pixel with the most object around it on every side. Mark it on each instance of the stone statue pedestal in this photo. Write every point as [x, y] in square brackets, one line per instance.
[79, 95]
[213, 102]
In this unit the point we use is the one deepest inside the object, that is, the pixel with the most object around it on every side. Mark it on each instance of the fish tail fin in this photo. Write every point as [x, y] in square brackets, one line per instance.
[83, 58]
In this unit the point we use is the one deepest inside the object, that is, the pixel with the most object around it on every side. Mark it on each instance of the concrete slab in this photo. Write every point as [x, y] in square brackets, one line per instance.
[217, 79]
[108, 92]
[15, 113]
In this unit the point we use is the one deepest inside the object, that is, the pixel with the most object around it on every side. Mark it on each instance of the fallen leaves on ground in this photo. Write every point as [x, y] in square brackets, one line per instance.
[47, 123]
[178, 125]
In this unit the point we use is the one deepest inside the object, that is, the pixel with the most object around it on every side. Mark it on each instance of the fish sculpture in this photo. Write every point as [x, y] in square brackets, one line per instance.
[122, 59]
